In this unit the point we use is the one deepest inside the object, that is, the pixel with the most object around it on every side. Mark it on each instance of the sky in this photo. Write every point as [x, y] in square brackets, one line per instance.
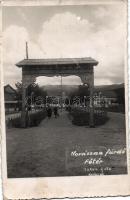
[96, 31]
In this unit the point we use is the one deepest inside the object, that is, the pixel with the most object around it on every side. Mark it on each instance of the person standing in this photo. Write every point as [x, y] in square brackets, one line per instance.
[55, 111]
[49, 112]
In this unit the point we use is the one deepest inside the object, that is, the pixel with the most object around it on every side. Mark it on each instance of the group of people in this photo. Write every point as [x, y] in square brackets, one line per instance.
[50, 111]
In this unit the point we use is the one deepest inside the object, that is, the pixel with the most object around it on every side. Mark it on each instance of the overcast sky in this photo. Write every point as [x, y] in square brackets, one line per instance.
[66, 31]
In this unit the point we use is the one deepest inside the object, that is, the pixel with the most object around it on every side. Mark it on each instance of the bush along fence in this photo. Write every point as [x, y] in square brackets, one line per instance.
[32, 119]
[80, 117]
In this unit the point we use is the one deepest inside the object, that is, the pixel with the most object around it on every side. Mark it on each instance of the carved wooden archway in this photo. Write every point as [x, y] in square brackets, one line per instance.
[82, 67]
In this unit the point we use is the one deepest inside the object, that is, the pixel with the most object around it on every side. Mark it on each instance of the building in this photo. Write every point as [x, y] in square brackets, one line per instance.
[10, 98]
[112, 95]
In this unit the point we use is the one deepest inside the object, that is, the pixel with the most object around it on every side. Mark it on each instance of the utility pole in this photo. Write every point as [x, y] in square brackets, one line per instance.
[26, 50]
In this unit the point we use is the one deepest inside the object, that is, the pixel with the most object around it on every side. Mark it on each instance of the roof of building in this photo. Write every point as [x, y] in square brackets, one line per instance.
[9, 89]
[9, 93]
[56, 61]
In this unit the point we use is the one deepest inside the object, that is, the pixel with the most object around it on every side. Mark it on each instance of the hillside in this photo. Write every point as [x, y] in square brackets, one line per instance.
[54, 90]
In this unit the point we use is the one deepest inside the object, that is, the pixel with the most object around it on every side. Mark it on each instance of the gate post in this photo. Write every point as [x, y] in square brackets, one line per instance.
[24, 111]
[88, 78]
[91, 87]
[27, 79]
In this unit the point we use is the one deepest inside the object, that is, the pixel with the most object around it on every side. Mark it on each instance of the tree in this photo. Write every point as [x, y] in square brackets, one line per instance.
[120, 95]
[83, 91]
[19, 90]
[32, 90]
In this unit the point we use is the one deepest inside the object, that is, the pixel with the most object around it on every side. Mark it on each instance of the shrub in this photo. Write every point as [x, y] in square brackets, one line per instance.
[119, 108]
[81, 117]
[36, 118]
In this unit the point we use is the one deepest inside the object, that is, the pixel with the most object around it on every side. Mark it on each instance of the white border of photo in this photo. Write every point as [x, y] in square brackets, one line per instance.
[61, 187]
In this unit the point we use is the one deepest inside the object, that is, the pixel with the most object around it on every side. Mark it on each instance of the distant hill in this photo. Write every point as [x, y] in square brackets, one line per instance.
[109, 87]
[55, 90]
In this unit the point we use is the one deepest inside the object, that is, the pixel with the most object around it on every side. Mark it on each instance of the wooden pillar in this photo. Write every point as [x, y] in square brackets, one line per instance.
[91, 87]
[27, 79]
[88, 78]
[24, 112]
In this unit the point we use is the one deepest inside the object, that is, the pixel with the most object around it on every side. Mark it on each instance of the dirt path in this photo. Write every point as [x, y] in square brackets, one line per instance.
[61, 121]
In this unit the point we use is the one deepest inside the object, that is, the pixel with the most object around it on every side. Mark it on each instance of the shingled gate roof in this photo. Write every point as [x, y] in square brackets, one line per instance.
[56, 61]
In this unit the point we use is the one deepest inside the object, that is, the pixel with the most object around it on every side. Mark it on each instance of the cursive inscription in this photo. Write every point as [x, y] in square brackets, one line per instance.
[95, 160]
